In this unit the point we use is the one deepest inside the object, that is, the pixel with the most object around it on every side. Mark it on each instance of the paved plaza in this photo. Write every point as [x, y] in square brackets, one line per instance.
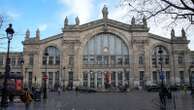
[134, 100]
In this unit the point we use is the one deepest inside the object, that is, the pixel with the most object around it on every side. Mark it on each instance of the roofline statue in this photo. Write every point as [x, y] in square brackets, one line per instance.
[105, 12]
[77, 20]
[66, 21]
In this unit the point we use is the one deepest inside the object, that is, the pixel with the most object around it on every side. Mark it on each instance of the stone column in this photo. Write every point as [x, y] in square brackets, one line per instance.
[186, 66]
[64, 63]
[172, 62]
[147, 65]
[89, 80]
[77, 64]
[102, 80]
[116, 79]
[123, 78]
[95, 80]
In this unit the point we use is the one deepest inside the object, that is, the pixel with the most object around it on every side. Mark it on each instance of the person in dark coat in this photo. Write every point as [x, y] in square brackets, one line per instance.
[163, 92]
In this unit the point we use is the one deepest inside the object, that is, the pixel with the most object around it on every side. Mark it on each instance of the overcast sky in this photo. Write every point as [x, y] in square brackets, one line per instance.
[48, 16]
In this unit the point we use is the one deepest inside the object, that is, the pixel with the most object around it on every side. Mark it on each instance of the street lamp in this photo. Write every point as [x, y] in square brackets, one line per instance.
[160, 51]
[25, 79]
[22, 66]
[45, 78]
[64, 69]
[10, 33]
[162, 86]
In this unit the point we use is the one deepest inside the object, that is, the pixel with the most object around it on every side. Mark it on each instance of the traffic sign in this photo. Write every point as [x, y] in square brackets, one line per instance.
[162, 75]
[45, 77]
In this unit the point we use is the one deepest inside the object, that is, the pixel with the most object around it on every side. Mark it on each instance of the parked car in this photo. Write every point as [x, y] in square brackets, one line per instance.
[152, 88]
[174, 87]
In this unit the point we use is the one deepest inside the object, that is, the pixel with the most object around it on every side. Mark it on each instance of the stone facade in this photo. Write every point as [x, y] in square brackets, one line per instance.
[143, 67]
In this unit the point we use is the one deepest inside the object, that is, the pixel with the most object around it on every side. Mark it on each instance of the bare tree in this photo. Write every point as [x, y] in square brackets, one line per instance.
[173, 9]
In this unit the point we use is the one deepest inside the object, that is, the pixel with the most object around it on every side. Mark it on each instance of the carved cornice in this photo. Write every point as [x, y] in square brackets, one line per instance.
[108, 22]
[140, 41]
[159, 38]
[30, 52]
[71, 42]
[180, 41]
[182, 52]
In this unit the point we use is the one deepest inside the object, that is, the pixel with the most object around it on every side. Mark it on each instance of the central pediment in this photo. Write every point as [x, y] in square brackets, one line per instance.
[107, 22]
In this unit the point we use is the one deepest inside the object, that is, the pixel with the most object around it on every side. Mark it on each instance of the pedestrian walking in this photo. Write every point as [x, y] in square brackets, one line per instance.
[185, 89]
[76, 90]
[59, 90]
[26, 98]
[163, 93]
[11, 97]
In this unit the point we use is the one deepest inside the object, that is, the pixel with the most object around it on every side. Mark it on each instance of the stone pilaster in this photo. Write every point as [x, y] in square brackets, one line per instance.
[116, 79]
[95, 80]
[88, 79]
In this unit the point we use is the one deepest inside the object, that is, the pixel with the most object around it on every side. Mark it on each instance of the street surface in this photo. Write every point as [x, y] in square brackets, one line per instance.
[134, 100]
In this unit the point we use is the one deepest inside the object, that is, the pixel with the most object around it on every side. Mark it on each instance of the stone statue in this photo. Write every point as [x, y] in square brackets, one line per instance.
[105, 12]
[133, 20]
[27, 34]
[66, 21]
[77, 20]
[183, 32]
[144, 21]
[38, 33]
[172, 33]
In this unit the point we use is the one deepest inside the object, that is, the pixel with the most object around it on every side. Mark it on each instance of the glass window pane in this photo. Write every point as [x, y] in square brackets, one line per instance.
[182, 79]
[154, 76]
[13, 61]
[127, 75]
[51, 60]
[53, 56]
[57, 58]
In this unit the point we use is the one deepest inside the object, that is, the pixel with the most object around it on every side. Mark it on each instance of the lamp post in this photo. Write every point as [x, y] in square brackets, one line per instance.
[10, 33]
[22, 66]
[162, 86]
[25, 80]
[45, 78]
[64, 70]
[160, 51]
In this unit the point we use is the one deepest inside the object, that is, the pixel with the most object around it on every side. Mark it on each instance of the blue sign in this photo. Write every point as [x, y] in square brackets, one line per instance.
[162, 75]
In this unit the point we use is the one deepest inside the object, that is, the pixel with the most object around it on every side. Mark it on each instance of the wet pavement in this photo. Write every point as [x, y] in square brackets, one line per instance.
[134, 100]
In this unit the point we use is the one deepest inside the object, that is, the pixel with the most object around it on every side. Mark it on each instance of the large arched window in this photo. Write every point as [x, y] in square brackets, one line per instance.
[157, 56]
[52, 57]
[104, 49]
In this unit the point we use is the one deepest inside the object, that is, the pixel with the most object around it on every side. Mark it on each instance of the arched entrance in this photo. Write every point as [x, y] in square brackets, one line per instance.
[105, 62]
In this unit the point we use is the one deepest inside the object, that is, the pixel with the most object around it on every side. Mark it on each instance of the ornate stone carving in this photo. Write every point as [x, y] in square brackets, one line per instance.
[66, 21]
[38, 34]
[27, 34]
[105, 12]
[183, 33]
[133, 21]
[144, 21]
[172, 34]
[77, 20]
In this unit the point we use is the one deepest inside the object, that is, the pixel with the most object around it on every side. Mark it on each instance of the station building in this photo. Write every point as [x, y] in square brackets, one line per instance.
[101, 53]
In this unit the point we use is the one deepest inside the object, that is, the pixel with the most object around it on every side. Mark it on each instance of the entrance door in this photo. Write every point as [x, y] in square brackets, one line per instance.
[141, 78]
[70, 80]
